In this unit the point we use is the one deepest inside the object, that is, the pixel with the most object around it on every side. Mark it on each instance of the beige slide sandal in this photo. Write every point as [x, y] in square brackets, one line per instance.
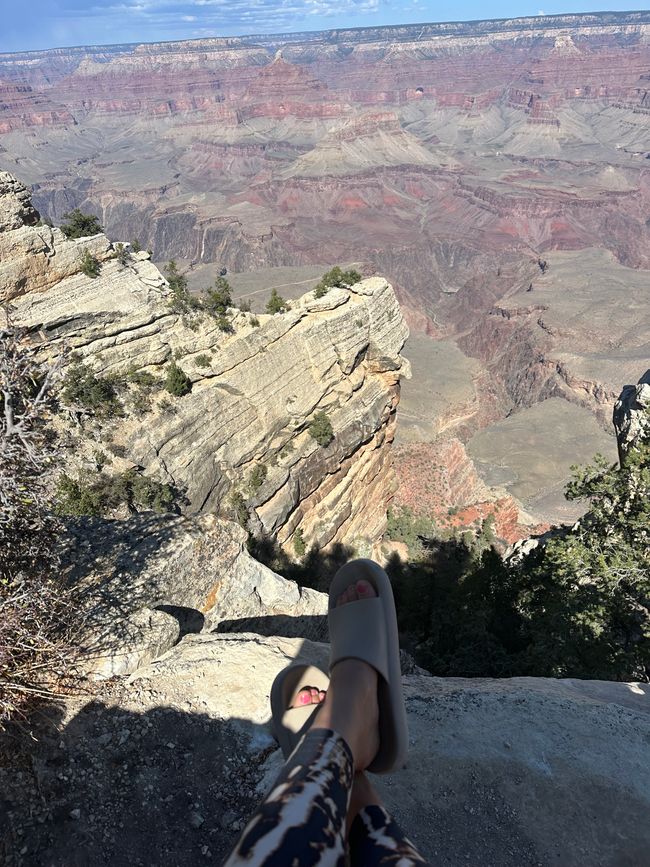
[290, 723]
[366, 629]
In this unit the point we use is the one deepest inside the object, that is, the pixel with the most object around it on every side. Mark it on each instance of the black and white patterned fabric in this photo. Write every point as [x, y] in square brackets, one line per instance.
[301, 822]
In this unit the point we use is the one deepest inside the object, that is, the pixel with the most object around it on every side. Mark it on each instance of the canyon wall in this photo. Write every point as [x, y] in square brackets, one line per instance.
[254, 391]
[455, 159]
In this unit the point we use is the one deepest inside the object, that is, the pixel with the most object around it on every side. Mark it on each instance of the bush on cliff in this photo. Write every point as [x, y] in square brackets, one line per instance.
[99, 493]
[277, 304]
[38, 619]
[578, 606]
[180, 300]
[96, 394]
[219, 298]
[90, 265]
[80, 225]
[257, 477]
[321, 429]
[335, 278]
[177, 382]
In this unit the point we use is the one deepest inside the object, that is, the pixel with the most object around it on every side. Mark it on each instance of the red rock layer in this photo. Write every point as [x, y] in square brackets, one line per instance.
[438, 480]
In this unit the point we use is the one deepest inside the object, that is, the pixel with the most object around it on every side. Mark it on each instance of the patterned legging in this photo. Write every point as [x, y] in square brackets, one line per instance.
[302, 820]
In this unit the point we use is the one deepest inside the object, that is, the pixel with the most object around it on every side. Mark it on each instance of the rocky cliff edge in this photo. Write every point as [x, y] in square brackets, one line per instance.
[254, 390]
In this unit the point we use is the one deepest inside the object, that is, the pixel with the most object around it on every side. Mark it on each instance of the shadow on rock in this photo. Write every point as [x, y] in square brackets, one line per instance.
[119, 787]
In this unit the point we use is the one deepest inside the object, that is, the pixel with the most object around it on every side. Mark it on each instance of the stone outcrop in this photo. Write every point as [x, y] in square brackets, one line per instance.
[632, 414]
[145, 582]
[169, 764]
[254, 391]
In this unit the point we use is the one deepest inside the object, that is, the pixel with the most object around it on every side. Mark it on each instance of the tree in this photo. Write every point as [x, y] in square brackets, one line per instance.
[588, 592]
[122, 253]
[177, 381]
[218, 299]
[299, 543]
[335, 278]
[180, 301]
[80, 225]
[321, 429]
[38, 614]
[277, 304]
[257, 477]
[90, 264]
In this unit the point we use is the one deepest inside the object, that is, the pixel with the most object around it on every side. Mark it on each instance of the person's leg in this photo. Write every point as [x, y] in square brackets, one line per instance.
[302, 820]
[374, 838]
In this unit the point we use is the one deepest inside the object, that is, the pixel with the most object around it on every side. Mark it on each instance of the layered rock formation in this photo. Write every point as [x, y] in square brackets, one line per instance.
[632, 414]
[144, 583]
[254, 391]
[452, 158]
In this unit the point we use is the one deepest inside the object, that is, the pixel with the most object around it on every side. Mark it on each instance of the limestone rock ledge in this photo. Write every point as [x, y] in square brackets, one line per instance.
[632, 414]
[253, 400]
[501, 772]
[144, 583]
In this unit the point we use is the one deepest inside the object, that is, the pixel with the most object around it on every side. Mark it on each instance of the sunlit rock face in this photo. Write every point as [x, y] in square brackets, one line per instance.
[254, 391]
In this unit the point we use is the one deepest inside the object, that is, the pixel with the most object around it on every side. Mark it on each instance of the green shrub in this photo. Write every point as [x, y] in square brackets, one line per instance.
[321, 429]
[257, 477]
[141, 378]
[98, 493]
[180, 300]
[94, 393]
[100, 458]
[217, 300]
[277, 304]
[238, 508]
[135, 246]
[244, 305]
[80, 225]
[177, 381]
[335, 278]
[140, 403]
[202, 361]
[224, 324]
[122, 254]
[299, 543]
[90, 264]
[254, 321]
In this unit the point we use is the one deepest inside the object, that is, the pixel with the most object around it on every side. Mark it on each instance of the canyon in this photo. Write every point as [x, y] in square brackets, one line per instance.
[496, 172]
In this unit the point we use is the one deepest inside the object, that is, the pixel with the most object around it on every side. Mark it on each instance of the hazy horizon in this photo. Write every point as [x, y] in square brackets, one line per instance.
[77, 23]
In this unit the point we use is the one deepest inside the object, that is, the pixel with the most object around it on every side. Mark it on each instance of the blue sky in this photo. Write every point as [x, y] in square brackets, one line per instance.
[30, 24]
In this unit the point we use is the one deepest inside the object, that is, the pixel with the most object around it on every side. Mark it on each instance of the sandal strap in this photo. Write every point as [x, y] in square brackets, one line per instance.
[358, 631]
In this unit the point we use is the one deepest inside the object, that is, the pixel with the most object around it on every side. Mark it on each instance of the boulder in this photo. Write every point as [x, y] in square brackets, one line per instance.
[146, 581]
[632, 414]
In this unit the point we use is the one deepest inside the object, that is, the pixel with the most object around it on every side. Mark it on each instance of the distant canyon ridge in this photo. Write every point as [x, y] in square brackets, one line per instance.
[498, 173]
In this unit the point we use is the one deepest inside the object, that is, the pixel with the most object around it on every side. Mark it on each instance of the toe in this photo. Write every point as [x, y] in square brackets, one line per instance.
[365, 590]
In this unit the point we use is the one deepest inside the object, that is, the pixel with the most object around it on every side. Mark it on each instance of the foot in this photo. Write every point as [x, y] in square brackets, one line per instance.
[308, 695]
[350, 707]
